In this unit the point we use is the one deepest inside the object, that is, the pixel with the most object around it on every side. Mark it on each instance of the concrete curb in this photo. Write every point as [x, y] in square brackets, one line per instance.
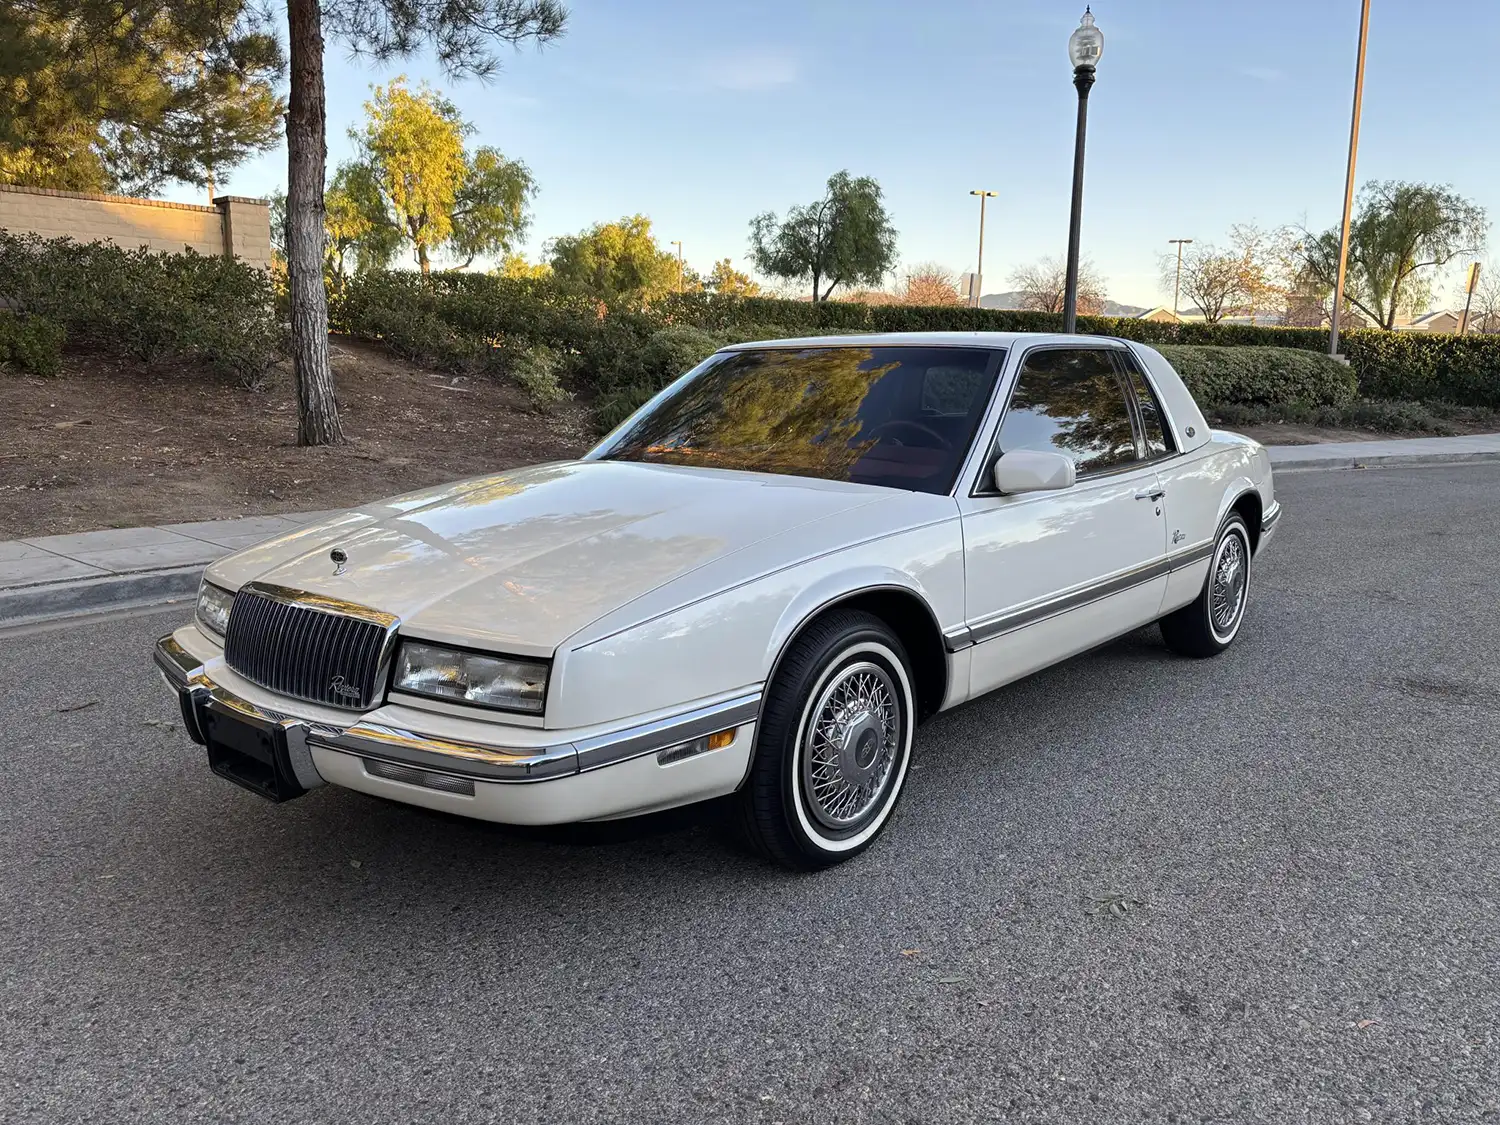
[52, 601]
[1386, 461]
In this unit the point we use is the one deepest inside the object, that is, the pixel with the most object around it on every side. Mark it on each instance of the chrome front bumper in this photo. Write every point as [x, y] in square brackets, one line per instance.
[297, 753]
[1268, 523]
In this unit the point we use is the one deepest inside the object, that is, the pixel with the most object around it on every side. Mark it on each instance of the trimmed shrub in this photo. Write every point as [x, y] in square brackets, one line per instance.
[31, 343]
[535, 369]
[148, 305]
[1260, 376]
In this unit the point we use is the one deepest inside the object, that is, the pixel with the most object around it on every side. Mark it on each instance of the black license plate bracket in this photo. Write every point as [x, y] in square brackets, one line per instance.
[250, 753]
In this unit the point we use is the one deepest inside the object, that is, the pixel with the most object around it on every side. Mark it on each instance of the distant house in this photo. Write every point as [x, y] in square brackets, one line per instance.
[1443, 320]
[1160, 315]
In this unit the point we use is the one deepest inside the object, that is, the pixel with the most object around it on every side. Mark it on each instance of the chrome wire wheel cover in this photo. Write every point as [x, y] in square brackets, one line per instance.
[1229, 584]
[850, 746]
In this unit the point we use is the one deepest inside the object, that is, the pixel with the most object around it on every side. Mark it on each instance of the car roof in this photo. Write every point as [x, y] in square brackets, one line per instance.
[931, 339]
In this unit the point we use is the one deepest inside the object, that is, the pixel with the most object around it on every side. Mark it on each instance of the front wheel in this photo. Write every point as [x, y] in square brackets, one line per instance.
[833, 744]
[1209, 625]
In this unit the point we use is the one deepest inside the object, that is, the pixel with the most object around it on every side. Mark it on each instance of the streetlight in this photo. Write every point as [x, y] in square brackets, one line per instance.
[680, 275]
[1177, 288]
[1359, 90]
[1085, 46]
[979, 270]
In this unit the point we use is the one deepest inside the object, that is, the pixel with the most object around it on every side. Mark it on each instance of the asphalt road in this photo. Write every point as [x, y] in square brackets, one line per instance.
[1262, 888]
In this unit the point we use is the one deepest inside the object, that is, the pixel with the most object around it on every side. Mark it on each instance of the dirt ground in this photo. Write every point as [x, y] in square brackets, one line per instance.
[110, 444]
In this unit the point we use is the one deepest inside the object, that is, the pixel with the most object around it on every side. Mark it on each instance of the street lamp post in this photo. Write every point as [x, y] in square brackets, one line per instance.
[1085, 46]
[680, 271]
[979, 269]
[1359, 91]
[1177, 286]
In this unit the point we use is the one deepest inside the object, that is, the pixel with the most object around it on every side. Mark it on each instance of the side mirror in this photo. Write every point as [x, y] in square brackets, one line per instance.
[1033, 470]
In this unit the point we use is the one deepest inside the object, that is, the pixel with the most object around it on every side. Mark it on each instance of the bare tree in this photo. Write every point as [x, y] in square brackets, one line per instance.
[928, 283]
[1043, 286]
[1212, 279]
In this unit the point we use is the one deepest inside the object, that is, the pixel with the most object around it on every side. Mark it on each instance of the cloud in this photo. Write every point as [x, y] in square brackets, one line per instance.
[1262, 73]
[749, 70]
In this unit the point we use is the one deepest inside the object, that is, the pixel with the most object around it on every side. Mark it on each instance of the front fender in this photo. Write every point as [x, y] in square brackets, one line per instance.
[729, 641]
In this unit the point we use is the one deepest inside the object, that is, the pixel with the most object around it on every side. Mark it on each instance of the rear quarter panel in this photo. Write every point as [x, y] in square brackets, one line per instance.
[1201, 487]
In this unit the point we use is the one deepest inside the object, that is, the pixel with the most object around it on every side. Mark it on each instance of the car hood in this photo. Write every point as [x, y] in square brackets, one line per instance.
[522, 560]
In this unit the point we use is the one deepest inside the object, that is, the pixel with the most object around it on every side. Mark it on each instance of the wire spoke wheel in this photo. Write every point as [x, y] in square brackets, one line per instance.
[851, 745]
[1226, 600]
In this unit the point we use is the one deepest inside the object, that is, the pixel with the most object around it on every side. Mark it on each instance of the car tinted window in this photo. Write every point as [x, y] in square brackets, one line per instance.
[1153, 427]
[1070, 400]
[897, 416]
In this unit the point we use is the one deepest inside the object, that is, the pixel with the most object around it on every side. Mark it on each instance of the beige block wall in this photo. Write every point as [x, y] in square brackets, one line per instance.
[233, 225]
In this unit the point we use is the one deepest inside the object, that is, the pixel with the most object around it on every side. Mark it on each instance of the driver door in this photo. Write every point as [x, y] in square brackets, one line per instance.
[1050, 574]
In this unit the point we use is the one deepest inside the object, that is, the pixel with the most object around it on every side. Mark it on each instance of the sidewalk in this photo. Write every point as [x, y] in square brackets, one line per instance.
[1363, 454]
[64, 575]
[61, 575]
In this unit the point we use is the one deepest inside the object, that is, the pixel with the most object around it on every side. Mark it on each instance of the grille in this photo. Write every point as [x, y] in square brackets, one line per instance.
[306, 653]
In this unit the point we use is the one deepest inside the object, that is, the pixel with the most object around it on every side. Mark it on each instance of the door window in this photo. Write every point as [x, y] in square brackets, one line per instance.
[1071, 401]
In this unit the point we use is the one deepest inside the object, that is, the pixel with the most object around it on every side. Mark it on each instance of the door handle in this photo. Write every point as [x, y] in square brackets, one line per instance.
[1151, 494]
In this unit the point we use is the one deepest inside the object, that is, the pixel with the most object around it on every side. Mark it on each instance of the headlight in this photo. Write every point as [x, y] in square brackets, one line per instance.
[213, 608]
[471, 677]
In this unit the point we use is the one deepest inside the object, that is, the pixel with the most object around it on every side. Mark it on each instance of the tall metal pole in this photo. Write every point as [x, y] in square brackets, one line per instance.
[1177, 286]
[979, 265]
[1083, 78]
[1473, 282]
[1359, 91]
[681, 276]
[978, 289]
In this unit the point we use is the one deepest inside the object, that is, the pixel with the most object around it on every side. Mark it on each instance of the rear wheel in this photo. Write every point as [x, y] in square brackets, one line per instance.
[833, 744]
[1209, 625]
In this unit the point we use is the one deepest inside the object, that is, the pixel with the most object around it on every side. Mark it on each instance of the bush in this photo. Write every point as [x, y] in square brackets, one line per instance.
[148, 305]
[455, 319]
[1260, 376]
[534, 368]
[31, 343]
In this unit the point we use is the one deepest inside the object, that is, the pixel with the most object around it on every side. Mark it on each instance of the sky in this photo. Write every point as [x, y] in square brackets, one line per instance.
[1205, 113]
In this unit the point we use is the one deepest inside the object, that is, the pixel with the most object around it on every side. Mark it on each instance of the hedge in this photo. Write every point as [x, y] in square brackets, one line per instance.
[31, 343]
[1259, 376]
[455, 320]
[151, 306]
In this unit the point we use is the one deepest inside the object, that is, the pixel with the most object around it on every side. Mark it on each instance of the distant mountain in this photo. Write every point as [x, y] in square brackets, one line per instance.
[1014, 300]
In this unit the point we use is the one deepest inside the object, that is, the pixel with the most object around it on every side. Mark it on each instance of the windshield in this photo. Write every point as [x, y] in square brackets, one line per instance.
[902, 417]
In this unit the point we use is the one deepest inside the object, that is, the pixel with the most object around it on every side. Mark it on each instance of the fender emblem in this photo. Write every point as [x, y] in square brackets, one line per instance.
[1178, 536]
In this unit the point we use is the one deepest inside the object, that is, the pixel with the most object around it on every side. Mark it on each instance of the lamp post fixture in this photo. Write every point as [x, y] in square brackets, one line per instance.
[1177, 287]
[979, 269]
[1085, 46]
[680, 272]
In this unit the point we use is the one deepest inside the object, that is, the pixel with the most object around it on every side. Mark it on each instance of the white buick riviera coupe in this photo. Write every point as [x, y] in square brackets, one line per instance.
[751, 591]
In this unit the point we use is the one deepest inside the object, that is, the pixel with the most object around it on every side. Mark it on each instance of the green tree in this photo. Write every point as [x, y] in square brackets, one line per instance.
[727, 281]
[845, 238]
[615, 262]
[415, 179]
[1401, 235]
[463, 36]
[516, 266]
[124, 95]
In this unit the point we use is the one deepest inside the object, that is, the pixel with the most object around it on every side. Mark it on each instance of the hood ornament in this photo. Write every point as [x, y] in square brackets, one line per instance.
[339, 557]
